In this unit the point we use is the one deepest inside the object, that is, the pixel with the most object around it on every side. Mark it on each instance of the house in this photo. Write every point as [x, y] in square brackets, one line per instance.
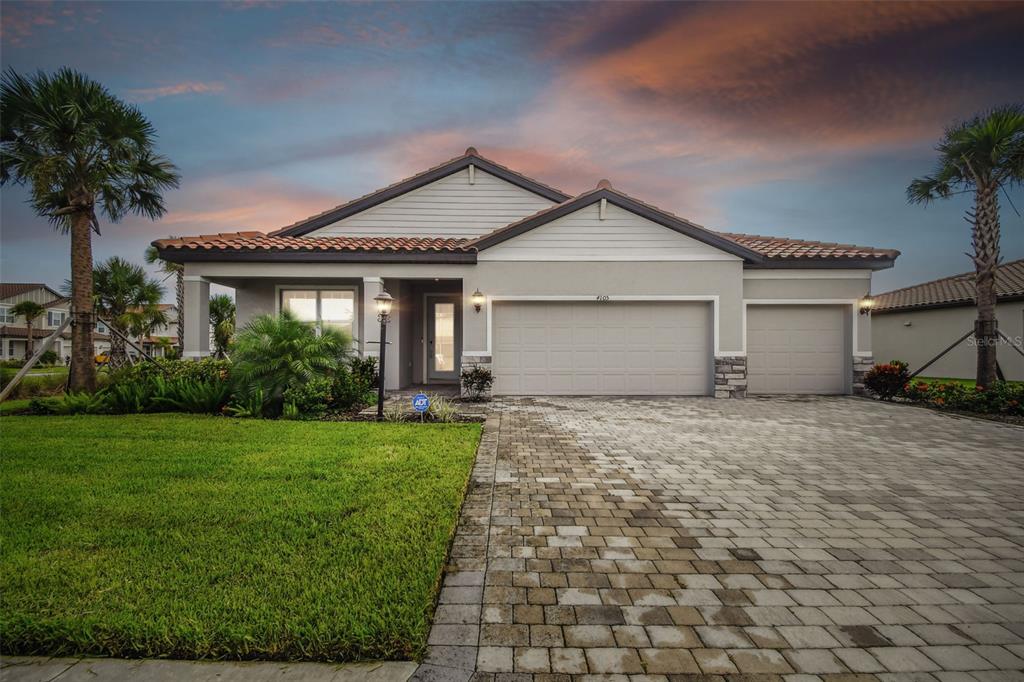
[600, 293]
[164, 337]
[916, 323]
[14, 331]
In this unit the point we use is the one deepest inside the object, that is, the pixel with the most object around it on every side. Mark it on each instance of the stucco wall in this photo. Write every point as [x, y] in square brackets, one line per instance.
[930, 331]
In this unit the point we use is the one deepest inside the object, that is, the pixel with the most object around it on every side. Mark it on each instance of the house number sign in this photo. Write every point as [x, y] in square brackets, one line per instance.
[603, 298]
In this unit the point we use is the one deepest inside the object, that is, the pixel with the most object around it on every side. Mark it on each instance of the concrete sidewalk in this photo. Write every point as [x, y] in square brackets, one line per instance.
[35, 669]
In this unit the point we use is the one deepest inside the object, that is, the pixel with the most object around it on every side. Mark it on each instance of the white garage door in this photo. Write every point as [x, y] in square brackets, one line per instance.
[610, 348]
[796, 349]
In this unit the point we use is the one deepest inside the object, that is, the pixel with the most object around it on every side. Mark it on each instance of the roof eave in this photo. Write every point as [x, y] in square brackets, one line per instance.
[265, 256]
[825, 263]
[414, 183]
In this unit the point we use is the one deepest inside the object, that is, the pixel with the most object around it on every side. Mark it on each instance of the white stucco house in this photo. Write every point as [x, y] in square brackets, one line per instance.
[598, 294]
[916, 323]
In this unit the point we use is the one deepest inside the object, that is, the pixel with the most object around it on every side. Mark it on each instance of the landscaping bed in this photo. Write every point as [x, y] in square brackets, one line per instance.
[202, 537]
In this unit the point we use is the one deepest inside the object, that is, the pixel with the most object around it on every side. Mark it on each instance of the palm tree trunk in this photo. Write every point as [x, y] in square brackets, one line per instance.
[180, 302]
[29, 346]
[82, 375]
[986, 260]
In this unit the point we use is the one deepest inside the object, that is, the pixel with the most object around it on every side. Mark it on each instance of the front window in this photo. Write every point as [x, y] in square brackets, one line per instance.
[322, 307]
[5, 316]
[55, 318]
[101, 328]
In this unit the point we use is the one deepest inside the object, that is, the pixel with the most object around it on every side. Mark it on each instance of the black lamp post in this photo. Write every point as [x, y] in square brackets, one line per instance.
[384, 303]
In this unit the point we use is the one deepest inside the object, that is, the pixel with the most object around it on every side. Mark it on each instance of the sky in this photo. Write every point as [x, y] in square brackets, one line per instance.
[799, 120]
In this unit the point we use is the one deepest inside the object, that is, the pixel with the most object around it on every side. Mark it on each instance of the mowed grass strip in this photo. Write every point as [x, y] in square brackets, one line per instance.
[190, 537]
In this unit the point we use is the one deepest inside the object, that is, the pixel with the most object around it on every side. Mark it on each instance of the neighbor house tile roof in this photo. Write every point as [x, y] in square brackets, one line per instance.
[952, 291]
[783, 248]
[259, 241]
[8, 289]
[9, 331]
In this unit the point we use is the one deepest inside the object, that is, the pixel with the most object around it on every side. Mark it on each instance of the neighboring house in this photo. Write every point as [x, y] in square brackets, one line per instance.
[595, 294]
[916, 323]
[152, 344]
[14, 332]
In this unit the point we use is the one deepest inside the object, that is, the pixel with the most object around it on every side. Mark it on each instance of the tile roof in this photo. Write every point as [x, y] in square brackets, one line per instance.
[258, 241]
[18, 332]
[8, 289]
[783, 248]
[952, 291]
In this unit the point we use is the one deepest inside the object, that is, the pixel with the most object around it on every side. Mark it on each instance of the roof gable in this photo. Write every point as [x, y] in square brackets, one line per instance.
[470, 158]
[626, 203]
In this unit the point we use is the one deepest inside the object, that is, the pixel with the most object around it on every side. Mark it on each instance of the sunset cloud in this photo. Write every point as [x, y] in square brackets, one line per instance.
[184, 88]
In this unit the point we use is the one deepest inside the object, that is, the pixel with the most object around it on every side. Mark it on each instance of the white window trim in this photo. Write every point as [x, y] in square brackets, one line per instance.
[5, 313]
[279, 288]
[852, 303]
[609, 298]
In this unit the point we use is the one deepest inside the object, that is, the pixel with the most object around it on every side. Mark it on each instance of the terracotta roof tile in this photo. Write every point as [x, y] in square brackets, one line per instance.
[955, 290]
[8, 289]
[782, 248]
[19, 332]
[258, 241]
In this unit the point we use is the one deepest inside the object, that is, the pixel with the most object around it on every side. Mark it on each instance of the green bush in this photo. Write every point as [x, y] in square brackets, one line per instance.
[197, 397]
[1001, 398]
[477, 381]
[887, 380]
[48, 358]
[70, 403]
[207, 369]
[312, 399]
[277, 353]
[34, 385]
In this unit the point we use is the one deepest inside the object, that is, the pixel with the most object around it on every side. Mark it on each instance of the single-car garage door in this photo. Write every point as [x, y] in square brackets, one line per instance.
[796, 349]
[601, 348]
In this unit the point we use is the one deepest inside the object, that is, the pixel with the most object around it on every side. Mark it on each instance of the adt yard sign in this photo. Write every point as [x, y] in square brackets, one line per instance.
[420, 402]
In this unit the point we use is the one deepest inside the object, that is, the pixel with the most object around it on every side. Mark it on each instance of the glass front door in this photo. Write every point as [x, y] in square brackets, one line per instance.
[443, 338]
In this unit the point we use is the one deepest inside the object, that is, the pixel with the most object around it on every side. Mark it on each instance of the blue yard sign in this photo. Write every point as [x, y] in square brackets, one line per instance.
[420, 402]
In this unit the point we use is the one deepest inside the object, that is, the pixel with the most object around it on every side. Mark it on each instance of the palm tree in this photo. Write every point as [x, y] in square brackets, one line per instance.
[276, 352]
[80, 150]
[222, 321]
[167, 349]
[178, 271]
[30, 310]
[983, 155]
[129, 300]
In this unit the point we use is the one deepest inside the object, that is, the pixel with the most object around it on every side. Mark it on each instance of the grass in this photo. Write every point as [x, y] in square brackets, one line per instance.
[204, 537]
[14, 406]
[969, 383]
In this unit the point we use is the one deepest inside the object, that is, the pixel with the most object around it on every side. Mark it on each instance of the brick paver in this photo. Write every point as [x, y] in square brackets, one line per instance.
[819, 538]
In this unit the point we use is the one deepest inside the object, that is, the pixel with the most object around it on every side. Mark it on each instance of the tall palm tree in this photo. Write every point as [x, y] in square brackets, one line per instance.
[983, 155]
[178, 271]
[222, 321]
[128, 299]
[81, 151]
[30, 310]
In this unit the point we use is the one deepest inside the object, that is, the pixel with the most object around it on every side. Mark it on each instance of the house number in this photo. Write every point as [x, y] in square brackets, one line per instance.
[603, 298]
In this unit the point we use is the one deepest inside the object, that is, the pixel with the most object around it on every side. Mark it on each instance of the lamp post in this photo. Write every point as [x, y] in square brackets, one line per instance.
[384, 303]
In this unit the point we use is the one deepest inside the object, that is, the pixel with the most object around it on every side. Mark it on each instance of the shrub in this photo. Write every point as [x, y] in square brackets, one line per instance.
[130, 397]
[354, 385]
[275, 353]
[33, 385]
[477, 381]
[207, 369]
[364, 371]
[886, 381]
[1000, 398]
[48, 358]
[187, 395]
[312, 399]
[248, 406]
[71, 403]
[442, 410]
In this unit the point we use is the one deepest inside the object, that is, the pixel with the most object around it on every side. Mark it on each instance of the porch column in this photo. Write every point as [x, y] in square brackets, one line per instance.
[197, 317]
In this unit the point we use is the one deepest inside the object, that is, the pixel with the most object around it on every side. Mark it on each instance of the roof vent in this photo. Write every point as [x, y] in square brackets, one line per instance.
[604, 184]
[471, 151]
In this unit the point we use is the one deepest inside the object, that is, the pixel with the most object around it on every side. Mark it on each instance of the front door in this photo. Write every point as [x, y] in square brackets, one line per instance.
[444, 336]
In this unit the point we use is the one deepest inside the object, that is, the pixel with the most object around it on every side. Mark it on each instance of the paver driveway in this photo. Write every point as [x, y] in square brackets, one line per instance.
[667, 537]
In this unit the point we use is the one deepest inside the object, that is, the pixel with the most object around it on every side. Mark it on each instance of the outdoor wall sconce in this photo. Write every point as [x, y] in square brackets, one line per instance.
[866, 304]
[478, 300]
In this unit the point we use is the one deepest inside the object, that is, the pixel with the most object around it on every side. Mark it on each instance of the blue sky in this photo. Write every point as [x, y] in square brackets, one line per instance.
[798, 120]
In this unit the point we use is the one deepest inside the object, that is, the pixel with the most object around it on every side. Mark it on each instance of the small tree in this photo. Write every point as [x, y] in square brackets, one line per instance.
[983, 155]
[222, 321]
[128, 299]
[30, 310]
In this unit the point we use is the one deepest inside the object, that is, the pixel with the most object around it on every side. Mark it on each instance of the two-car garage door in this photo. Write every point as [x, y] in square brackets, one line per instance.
[601, 348]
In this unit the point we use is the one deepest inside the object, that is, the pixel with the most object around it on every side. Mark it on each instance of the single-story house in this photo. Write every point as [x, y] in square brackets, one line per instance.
[916, 323]
[599, 293]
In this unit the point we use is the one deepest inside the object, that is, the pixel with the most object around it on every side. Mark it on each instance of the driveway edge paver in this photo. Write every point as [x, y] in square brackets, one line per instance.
[453, 644]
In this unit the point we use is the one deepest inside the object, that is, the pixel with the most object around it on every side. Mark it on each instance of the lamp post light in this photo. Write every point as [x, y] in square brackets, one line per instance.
[866, 304]
[384, 303]
[478, 300]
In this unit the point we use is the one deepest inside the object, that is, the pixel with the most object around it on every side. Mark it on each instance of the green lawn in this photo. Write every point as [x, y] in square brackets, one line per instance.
[969, 383]
[186, 536]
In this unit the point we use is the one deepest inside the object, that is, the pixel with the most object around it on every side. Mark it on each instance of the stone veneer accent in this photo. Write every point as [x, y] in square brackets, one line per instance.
[469, 362]
[861, 365]
[731, 376]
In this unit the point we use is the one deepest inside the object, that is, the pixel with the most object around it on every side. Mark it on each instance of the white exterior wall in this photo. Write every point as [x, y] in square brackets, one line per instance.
[917, 336]
[620, 236]
[449, 207]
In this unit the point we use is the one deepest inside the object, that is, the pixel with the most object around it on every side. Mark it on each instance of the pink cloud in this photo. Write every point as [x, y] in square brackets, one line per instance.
[184, 88]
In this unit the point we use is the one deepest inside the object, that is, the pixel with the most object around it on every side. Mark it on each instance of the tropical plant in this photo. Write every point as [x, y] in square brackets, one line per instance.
[200, 397]
[983, 156]
[128, 300]
[222, 321]
[30, 310]
[887, 380]
[249, 406]
[167, 349]
[81, 151]
[442, 410]
[312, 398]
[276, 352]
[177, 270]
[476, 381]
